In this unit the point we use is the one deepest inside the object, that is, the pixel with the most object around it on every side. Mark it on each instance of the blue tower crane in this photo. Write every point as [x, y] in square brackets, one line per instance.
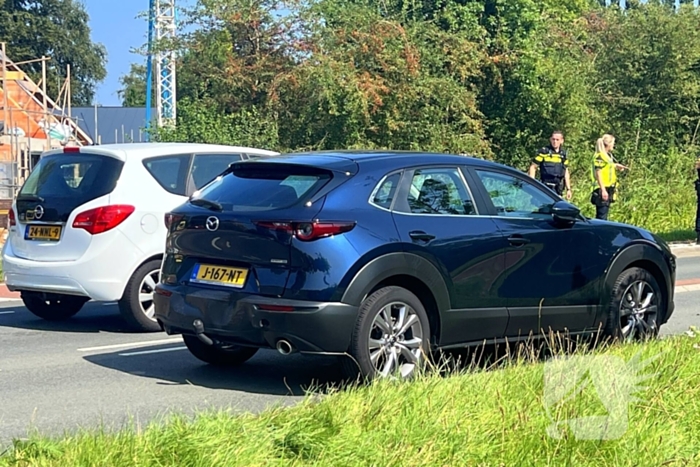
[161, 27]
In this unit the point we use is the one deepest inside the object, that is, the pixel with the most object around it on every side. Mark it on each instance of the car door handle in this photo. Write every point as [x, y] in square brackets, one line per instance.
[517, 240]
[420, 235]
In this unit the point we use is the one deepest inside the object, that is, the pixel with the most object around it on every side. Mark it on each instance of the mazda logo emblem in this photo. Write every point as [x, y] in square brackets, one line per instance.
[212, 223]
[38, 212]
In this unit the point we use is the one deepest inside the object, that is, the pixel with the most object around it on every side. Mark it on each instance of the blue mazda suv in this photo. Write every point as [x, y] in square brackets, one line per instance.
[385, 257]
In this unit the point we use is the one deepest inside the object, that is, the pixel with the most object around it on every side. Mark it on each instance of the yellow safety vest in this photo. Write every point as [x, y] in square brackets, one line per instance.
[606, 165]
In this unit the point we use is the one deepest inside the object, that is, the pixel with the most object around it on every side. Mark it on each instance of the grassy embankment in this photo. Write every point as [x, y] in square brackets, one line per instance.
[484, 416]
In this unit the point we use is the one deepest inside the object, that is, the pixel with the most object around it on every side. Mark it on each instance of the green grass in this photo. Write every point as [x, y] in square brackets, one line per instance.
[485, 416]
[687, 235]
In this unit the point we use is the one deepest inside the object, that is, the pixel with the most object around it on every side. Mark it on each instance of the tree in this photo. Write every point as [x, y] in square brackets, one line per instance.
[58, 29]
[133, 91]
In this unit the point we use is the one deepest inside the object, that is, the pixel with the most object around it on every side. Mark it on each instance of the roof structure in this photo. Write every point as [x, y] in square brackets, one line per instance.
[112, 125]
[24, 114]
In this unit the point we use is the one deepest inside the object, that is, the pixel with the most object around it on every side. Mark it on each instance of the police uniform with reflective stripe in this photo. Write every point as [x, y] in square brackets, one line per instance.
[608, 176]
[552, 167]
[606, 165]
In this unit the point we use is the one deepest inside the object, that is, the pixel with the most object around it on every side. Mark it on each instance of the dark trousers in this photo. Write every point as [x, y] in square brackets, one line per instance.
[602, 207]
[601, 211]
[697, 212]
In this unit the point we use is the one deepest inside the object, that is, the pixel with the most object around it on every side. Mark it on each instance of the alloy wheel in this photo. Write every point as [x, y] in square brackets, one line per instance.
[395, 340]
[638, 311]
[146, 291]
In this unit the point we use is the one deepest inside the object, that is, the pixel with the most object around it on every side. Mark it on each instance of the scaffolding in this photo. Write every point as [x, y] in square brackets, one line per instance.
[31, 123]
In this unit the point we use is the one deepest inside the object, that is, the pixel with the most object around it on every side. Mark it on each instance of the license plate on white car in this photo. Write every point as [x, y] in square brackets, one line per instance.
[51, 233]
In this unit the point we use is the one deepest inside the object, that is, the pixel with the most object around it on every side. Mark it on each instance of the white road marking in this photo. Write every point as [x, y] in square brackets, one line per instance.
[6, 312]
[146, 352]
[132, 344]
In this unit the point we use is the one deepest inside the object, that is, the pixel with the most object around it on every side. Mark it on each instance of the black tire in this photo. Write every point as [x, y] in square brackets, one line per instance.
[625, 294]
[360, 365]
[53, 307]
[233, 355]
[138, 314]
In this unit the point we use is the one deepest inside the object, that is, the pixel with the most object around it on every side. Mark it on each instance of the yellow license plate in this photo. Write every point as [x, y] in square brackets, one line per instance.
[220, 275]
[43, 232]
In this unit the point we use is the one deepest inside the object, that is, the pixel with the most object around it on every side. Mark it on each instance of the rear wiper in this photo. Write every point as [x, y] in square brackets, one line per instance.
[205, 203]
[30, 198]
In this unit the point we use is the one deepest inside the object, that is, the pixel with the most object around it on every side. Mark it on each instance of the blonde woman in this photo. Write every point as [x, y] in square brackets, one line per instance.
[604, 174]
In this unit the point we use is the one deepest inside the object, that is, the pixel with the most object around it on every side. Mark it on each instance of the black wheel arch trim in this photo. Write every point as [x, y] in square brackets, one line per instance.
[397, 264]
[640, 250]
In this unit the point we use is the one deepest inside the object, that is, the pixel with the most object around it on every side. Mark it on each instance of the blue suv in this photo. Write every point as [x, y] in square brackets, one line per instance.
[385, 257]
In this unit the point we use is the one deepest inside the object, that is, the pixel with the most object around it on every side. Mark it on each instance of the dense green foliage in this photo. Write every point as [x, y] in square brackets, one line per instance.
[133, 91]
[485, 418]
[491, 78]
[57, 29]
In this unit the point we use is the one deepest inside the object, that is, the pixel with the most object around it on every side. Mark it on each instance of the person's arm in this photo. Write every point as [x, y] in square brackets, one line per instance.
[532, 170]
[567, 177]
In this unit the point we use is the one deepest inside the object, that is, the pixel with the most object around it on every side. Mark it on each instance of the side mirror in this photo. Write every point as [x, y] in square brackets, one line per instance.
[565, 212]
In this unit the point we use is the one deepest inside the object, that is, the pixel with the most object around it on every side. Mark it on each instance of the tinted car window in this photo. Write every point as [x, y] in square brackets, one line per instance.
[513, 196]
[206, 167]
[439, 191]
[170, 172]
[386, 191]
[70, 180]
[259, 188]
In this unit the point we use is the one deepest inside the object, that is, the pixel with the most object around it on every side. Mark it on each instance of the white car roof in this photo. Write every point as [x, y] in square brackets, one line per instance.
[142, 150]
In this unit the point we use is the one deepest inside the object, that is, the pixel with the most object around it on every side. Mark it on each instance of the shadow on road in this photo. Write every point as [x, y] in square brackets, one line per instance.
[266, 373]
[93, 318]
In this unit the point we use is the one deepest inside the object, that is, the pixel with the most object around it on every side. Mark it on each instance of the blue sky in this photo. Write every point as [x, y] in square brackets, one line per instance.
[116, 25]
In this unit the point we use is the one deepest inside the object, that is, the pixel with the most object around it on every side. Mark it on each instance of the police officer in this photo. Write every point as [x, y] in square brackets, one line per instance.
[604, 176]
[697, 191]
[553, 164]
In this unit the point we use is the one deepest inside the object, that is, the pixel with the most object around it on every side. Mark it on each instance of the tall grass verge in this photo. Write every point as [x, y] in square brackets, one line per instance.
[495, 415]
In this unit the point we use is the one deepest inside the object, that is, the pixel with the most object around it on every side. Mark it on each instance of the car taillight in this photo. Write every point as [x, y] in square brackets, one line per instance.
[11, 217]
[308, 231]
[102, 219]
[171, 219]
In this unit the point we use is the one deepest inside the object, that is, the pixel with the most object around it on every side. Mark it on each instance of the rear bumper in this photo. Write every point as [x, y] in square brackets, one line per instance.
[237, 318]
[101, 277]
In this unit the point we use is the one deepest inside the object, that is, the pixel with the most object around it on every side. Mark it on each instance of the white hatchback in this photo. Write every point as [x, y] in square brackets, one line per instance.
[89, 223]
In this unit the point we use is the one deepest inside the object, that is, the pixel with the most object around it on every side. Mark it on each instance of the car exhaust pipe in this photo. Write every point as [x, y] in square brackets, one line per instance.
[284, 347]
[198, 326]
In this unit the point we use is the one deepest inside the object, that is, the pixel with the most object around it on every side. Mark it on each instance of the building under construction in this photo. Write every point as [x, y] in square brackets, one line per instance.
[30, 122]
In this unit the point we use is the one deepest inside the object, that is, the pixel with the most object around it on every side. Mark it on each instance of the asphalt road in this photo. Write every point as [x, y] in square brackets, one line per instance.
[90, 371]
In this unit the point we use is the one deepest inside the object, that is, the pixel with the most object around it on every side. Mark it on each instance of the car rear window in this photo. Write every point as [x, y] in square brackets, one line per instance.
[79, 177]
[264, 188]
